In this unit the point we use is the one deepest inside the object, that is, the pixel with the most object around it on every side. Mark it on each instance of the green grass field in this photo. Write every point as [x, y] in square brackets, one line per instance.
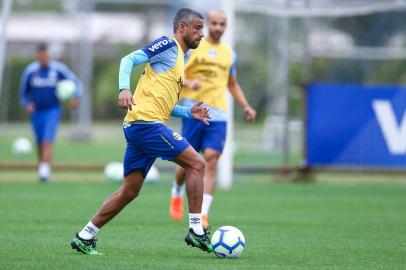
[287, 226]
[336, 222]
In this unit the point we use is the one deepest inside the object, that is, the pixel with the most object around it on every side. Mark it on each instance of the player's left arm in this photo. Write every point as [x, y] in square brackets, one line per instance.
[197, 112]
[64, 73]
[238, 94]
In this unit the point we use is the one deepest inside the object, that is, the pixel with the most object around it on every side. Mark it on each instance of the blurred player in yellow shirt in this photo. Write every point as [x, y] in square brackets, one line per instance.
[209, 71]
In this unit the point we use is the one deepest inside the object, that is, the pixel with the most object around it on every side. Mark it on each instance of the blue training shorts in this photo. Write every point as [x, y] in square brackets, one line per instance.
[147, 141]
[45, 124]
[202, 136]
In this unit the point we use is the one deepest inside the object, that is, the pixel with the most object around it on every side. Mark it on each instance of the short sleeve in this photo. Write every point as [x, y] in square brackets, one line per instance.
[158, 46]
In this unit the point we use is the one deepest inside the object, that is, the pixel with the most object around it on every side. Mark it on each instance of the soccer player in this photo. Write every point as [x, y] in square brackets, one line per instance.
[38, 98]
[209, 70]
[147, 135]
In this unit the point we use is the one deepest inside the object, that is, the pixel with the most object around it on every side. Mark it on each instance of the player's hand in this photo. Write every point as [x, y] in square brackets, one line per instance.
[125, 99]
[74, 103]
[194, 84]
[30, 108]
[201, 113]
[250, 114]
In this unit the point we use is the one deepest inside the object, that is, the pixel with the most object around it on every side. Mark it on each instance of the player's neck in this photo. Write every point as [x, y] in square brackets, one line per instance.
[212, 40]
[44, 65]
[182, 44]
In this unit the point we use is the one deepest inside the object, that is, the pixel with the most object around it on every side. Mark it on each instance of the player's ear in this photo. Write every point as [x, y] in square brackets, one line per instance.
[182, 27]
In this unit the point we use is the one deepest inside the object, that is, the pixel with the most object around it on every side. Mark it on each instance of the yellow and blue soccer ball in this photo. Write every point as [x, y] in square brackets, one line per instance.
[228, 242]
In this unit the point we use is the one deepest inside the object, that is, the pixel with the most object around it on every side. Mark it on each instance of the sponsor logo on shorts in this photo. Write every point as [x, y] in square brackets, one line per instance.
[177, 136]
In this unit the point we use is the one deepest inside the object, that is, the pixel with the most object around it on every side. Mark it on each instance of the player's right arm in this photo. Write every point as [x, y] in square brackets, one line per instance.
[125, 99]
[25, 101]
[160, 53]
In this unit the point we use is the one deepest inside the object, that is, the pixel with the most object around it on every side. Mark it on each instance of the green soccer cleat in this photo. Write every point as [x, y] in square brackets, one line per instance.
[84, 246]
[200, 241]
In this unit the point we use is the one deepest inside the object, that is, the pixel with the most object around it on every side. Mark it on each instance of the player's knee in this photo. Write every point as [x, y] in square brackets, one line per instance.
[211, 161]
[200, 165]
[195, 164]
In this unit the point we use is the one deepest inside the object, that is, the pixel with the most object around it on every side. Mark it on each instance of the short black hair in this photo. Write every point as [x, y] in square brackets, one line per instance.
[185, 15]
[42, 47]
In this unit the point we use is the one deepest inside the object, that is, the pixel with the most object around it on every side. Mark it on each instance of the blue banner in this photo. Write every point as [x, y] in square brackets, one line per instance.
[356, 126]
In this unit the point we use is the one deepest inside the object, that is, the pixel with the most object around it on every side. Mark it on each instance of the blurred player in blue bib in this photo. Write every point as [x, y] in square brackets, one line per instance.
[38, 98]
[146, 133]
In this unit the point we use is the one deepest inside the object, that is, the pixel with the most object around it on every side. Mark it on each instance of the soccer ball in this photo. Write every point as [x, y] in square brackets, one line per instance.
[21, 146]
[114, 171]
[153, 175]
[66, 89]
[228, 242]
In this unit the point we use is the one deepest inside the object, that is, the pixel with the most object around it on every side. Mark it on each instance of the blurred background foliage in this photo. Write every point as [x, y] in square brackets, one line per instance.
[253, 46]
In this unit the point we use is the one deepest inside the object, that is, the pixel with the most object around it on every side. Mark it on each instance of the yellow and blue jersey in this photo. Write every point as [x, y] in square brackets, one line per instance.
[214, 64]
[155, 96]
[160, 85]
